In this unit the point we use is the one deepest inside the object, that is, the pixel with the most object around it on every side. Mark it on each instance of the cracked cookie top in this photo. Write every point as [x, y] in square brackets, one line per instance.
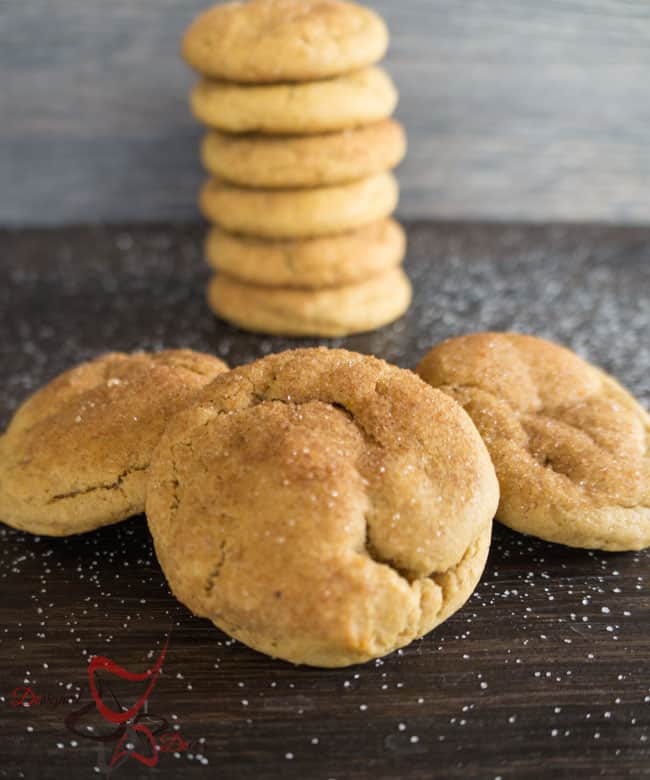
[569, 444]
[76, 453]
[262, 41]
[322, 506]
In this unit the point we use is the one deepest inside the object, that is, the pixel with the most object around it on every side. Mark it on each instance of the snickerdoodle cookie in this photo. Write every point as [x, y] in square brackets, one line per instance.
[299, 213]
[331, 312]
[284, 40]
[304, 161]
[76, 454]
[312, 263]
[359, 98]
[569, 444]
[322, 507]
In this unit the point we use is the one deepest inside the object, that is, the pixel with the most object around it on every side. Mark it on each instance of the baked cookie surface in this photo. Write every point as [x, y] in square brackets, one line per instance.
[322, 507]
[569, 444]
[75, 455]
[360, 98]
[304, 161]
[331, 312]
[287, 214]
[313, 263]
[284, 40]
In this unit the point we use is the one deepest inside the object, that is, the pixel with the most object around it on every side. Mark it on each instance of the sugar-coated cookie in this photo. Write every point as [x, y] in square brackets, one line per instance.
[288, 214]
[284, 40]
[265, 161]
[360, 98]
[76, 454]
[328, 313]
[322, 507]
[569, 444]
[312, 263]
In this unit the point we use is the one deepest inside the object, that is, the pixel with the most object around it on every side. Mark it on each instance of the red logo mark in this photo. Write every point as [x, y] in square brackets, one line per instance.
[173, 743]
[24, 697]
[100, 662]
[121, 753]
[123, 750]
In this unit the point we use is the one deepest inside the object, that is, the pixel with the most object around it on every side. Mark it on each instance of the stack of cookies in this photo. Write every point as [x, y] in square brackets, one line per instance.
[300, 149]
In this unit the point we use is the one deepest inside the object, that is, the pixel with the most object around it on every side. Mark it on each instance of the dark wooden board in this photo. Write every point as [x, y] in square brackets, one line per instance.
[515, 109]
[544, 674]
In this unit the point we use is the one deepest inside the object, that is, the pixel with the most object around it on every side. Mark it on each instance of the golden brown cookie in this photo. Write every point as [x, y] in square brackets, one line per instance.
[76, 454]
[360, 98]
[284, 40]
[569, 444]
[328, 313]
[289, 214]
[313, 263]
[322, 506]
[287, 162]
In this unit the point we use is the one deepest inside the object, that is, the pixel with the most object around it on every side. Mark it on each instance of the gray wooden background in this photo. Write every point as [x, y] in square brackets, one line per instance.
[516, 109]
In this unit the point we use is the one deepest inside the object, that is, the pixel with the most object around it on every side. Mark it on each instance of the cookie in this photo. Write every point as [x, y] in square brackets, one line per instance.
[328, 313]
[76, 454]
[284, 40]
[304, 161]
[569, 444]
[360, 98]
[322, 507]
[313, 263]
[291, 214]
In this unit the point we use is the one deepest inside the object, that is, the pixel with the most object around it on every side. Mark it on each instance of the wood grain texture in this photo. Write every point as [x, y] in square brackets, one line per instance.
[542, 676]
[516, 109]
